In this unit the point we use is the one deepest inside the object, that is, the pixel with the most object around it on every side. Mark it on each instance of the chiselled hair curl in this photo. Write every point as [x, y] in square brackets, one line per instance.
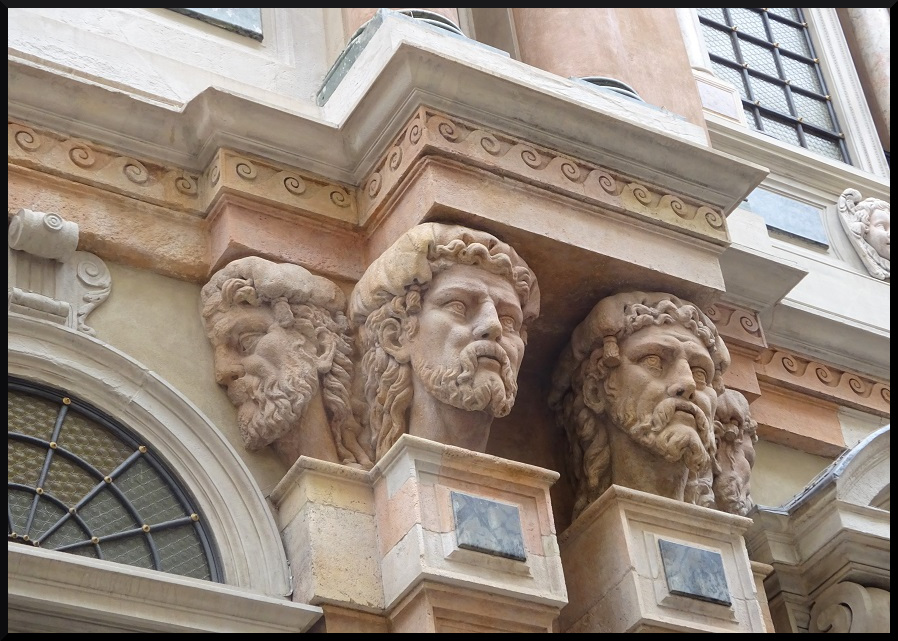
[304, 302]
[593, 348]
[387, 387]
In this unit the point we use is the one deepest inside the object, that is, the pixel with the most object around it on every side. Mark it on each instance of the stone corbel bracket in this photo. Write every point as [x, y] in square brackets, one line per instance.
[47, 277]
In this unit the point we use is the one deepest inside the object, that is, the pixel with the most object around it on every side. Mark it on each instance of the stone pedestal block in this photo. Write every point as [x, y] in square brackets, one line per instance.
[467, 540]
[325, 512]
[636, 562]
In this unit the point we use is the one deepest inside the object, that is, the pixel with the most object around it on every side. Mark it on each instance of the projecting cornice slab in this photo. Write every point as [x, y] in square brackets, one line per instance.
[404, 65]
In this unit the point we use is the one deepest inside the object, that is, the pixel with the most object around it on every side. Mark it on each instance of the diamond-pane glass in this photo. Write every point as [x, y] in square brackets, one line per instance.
[801, 74]
[31, 415]
[824, 146]
[732, 76]
[89, 441]
[132, 550]
[771, 96]
[67, 533]
[67, 481]
[713, 14]
[792, 14]
[46, 514]
[813, 110]
[757, 57]
[85, 550]
[105, 514]
[19, 504]
[790, 38]
[24, 462]
[181, 552]
[751, 118]
[719, 42]
[150, 495]
[91, 447]
[750, 22]
[780, 131]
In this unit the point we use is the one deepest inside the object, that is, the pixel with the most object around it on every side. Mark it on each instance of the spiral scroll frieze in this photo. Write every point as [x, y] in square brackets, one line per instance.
[135, 172]
[187, 185]
[295, 185]
[246, 170]
[373, 186]
[82, 155]
[713, 217]
[26, 138]
[825, 381]
[340, 198]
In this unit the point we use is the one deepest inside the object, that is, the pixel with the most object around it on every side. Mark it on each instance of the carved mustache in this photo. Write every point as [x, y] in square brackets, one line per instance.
[480, 349]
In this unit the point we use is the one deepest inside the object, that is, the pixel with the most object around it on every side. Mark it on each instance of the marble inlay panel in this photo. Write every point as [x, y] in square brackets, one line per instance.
[694, 573]
[488, 526]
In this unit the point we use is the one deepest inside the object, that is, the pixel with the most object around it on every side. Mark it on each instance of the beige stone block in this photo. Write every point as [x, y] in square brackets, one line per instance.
[615, 574]
[741, 375]
[433, 607]
[798, 421]
[239, 227]
[414, 482]
[761, 571]
[397, 515]
[344, 574]
[319, 503]
[342, 620]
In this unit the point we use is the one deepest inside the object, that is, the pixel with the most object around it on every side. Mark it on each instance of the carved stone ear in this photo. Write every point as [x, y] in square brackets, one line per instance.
[327, 345]
[394, 340]
[593, 393]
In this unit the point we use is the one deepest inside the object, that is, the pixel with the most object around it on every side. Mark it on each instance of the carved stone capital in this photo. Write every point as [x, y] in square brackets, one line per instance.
[47, 277]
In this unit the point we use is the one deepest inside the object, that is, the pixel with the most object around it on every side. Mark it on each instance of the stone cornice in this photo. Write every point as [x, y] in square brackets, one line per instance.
[432, 132]
[789, 370]
[293, 191]
[738, 324]
[403, 66]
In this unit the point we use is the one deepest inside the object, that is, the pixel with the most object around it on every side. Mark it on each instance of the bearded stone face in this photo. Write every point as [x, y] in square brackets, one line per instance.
[661, 394]
[466, 347]
[269, 372]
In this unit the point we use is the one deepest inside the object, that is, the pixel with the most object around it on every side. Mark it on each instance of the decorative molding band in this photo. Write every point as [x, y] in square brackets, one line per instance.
[738, 324]
[84, 162]
[824, 381]
[431, 132]
[278, 185]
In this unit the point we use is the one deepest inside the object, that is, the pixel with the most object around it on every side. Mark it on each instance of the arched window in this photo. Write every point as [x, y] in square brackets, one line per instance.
[82, 483]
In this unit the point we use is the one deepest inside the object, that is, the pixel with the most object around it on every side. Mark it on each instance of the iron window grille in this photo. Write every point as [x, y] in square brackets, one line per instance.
[768, 55]
[80, 482]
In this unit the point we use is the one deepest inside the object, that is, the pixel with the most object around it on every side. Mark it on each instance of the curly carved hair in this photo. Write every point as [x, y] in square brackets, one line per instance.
[303, 301]
[593, 348]
[388, 299]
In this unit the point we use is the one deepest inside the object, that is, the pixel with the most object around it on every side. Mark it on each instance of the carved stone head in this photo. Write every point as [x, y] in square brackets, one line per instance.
[636, 390]
[735, 433]
[282, 350]
[867, 223]
[442, 317]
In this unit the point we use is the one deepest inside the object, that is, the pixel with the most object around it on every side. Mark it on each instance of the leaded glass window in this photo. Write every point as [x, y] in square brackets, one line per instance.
[79, 482]
[768, 55]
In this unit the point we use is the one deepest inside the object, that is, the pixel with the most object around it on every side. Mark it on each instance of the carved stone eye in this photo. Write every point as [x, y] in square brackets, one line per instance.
[700, 375]
[652, 362]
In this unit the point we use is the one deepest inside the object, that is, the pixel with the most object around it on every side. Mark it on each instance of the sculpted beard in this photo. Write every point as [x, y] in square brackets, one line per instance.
[673, 442]
[271, 407]
[457, 386]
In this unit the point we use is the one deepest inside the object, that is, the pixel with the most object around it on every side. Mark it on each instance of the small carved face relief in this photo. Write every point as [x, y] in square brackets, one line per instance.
[661, 393]
[467, 348]
[269, 371]
[736, 456]
[877, 234]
